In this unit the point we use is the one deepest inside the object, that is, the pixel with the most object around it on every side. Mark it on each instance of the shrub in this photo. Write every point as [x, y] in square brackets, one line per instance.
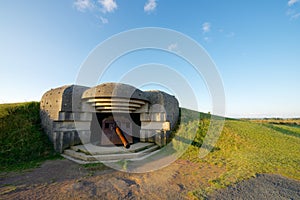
[21, 137]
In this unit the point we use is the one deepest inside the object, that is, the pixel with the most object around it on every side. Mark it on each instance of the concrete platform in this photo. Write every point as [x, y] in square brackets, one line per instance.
[91, 149]
[90, 153]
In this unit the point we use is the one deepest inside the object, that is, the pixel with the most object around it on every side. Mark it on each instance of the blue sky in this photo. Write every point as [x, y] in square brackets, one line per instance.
[254, 44]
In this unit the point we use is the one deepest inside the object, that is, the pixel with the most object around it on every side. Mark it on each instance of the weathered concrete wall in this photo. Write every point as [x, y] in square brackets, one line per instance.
[118, 90]
[114, 97]
[161, 119]
[59, 108]
[165, 107]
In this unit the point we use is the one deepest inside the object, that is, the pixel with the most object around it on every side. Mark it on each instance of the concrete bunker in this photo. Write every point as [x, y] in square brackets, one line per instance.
[116, 110]
[73, 115]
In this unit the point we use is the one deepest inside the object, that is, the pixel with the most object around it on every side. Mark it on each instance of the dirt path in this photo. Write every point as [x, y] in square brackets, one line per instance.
[63, 179]
[264, 186]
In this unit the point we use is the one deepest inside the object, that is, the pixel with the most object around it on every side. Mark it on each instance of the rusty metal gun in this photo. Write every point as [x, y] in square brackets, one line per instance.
[122, 137]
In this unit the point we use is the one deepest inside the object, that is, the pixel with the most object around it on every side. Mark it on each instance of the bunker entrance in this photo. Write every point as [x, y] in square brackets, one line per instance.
[119, 129]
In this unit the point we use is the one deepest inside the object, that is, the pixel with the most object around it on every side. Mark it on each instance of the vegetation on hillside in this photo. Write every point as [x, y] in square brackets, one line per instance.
[22, 143]
[247, 148]
[289, 121]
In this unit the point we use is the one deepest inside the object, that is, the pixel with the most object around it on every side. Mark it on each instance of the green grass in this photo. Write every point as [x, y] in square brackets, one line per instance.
[293, 130]
[291, 121]
[22, 143]
[247, 148]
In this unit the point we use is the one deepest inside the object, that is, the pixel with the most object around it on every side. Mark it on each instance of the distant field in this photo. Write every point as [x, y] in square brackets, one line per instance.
[285, 126]
[293, 121]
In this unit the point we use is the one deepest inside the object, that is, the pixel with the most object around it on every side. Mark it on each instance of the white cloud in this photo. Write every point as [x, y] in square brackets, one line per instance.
[292, 2]
[295, 16]
[108, 5]
[206, 27]
[292, 14]
[103, 20]
[173, 47]
[150, 6]
[82, 5]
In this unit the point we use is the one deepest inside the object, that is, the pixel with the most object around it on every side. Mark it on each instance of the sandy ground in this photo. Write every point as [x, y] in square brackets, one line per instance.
[63, 179]
[264, 186]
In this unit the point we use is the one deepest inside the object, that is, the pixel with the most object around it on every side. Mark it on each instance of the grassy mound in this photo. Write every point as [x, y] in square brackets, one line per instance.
[22, 143]
[247, 148]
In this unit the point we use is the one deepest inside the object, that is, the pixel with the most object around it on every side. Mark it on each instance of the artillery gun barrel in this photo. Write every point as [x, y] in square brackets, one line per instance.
[122, 138]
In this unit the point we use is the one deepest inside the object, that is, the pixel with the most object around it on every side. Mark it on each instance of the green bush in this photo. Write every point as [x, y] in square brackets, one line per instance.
[21, 138]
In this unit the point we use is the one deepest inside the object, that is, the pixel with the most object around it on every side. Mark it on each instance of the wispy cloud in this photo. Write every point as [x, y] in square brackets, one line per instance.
[103, 20]
[173, 47]
[290, 12]
[292, 2]
[206, 27]
[108, 5]
[293, 14]
[150, 6]
[82, 5]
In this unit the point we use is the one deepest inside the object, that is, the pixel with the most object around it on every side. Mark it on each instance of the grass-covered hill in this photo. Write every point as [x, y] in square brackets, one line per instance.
[22, 143]
[244, 149]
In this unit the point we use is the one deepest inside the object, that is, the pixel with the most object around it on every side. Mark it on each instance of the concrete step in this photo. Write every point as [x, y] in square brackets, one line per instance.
[81, 157]
[78, 160]
[91, 149]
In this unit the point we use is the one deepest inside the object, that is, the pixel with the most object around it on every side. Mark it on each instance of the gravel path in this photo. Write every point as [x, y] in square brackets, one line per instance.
[264, 186]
